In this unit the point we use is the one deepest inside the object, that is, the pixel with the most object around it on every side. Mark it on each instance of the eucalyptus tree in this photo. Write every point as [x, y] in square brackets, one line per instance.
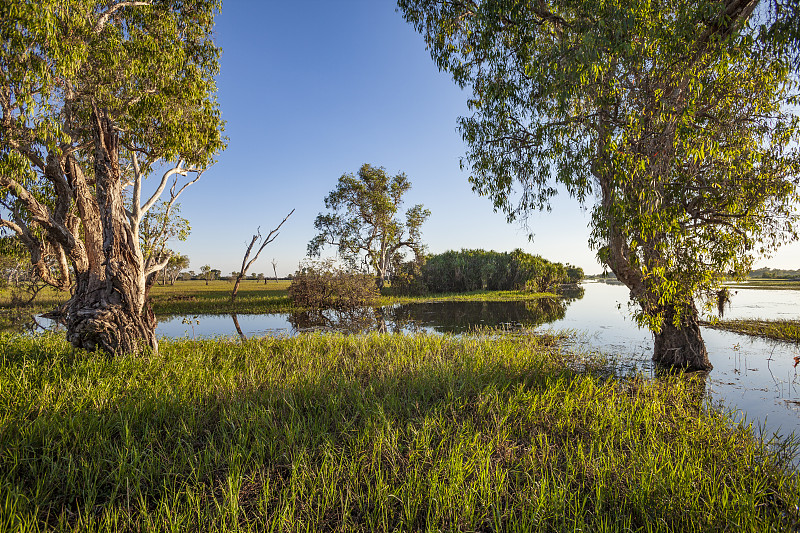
[669, 112]
[363, 221]
[175, 265]
[97, 95]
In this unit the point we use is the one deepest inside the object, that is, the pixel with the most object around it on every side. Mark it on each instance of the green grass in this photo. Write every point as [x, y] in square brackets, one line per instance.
[369, 433]
[772, 284]
[196, 298]
[782, 330]
[46, 300]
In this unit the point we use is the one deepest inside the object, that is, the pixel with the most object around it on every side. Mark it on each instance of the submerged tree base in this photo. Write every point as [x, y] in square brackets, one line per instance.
[370, 433]
[681, 347]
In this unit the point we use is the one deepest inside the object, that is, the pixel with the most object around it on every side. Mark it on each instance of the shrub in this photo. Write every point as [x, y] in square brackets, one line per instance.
[472, 270]
[407, 278]
[324, 285]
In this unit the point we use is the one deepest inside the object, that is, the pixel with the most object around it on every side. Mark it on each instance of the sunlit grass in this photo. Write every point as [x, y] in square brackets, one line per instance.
[474, 296]
[782, 330]
[195, 297]
[369, 433]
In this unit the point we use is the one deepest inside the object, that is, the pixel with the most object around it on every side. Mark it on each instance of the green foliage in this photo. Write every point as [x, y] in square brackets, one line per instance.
[407, 278]
[574, 273]
[670, 113]
[775, 273]
[175, 264]
[15, 263]
[472, 270]
[780, 29]
[93, 84]
[162, 223]
[363, 221]
[324, 285]
[152, 65]
[369, 433]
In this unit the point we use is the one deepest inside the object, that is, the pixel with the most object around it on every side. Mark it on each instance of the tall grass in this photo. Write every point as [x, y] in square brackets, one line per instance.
[782, 330]
[369, 433]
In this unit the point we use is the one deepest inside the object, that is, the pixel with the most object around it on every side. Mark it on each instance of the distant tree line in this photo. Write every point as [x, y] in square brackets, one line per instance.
[775, 273]
[472, 270]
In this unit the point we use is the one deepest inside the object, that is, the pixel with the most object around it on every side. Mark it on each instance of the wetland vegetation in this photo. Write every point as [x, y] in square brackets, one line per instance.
[370, 433]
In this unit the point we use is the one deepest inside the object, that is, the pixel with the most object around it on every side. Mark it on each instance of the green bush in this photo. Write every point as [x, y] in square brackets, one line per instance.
[407, 279]
[474, 270]
[324, 285]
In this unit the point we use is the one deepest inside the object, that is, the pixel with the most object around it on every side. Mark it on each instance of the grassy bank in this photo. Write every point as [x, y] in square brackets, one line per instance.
[368, 433]
[782, 330]
[198, 298]
[475, 296]
[194, 297]
[772, 284]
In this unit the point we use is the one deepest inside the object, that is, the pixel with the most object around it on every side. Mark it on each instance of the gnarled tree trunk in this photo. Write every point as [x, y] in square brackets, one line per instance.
[682, 346]
[108, 308]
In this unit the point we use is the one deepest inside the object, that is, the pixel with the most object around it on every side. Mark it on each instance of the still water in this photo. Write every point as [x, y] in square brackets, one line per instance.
[754, 376]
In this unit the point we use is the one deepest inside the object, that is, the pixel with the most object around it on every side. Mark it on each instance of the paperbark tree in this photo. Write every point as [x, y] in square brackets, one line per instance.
[670, 113]
[363, 221]
[207, 273]
[95, 96]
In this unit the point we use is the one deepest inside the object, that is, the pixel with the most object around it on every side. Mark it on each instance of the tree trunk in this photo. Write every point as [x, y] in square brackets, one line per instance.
[681, 347]
[109, 324]
[108, 309]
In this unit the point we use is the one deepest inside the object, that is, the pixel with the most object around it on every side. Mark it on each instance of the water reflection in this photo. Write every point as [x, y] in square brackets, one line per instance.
[440, 317]
[459, 317]
[355, 321]
[25, 322]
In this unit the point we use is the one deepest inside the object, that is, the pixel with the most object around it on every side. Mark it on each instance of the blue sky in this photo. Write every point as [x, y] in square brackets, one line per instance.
[312, 90]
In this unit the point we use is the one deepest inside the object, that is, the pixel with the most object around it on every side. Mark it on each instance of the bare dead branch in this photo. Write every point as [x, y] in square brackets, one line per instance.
[264, 242]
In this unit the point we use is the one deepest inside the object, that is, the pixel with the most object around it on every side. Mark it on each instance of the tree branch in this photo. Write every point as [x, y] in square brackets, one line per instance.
[245, 264]
[98, 27]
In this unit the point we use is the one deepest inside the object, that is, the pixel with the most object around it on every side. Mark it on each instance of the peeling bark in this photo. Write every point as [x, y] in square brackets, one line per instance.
[108, 309]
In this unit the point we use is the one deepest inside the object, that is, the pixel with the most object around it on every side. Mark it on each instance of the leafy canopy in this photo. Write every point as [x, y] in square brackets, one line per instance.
[363, 221]
[151, 65]
[670, 113]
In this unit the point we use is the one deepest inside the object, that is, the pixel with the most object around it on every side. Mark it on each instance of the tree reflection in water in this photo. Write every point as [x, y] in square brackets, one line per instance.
[354, 321]
[442, 317]
[21, 320]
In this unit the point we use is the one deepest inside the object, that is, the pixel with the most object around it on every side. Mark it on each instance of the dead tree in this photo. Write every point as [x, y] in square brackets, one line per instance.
[264, 241]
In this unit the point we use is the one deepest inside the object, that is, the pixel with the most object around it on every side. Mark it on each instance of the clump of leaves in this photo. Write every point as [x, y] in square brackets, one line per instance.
[326, 285]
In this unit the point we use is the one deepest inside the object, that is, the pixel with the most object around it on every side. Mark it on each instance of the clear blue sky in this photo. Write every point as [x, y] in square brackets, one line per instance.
[311, 90]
